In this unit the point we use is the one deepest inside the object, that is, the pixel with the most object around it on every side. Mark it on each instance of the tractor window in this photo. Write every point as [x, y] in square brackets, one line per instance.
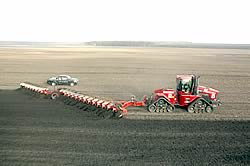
[178, 85]
[184, 85]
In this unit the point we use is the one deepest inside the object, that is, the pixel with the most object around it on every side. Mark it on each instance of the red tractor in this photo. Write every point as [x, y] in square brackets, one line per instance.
[188, 94]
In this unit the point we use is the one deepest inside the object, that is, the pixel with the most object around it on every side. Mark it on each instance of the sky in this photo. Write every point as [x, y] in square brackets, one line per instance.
[202, 21]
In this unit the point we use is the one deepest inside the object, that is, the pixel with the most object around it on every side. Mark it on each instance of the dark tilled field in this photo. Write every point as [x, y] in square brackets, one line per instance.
[36, 131]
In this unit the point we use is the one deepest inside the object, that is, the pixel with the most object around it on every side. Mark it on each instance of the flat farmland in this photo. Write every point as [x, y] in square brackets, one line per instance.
[36, 131]
[118, 73]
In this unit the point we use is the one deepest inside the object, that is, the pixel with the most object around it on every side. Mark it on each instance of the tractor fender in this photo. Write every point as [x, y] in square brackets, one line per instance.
[201, 98]
[206, 97]
[161, 96]
[165, 99]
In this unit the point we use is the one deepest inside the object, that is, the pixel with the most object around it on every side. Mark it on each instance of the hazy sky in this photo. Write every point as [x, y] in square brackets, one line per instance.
[219, 21]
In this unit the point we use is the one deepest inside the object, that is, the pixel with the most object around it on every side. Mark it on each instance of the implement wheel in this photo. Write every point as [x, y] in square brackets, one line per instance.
[54, 95]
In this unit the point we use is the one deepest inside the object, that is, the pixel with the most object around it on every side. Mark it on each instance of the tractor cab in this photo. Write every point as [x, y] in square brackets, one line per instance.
[187, 84]
[186, 88]
[184, 84]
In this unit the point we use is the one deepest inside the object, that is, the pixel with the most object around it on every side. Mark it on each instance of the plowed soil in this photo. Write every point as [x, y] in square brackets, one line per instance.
[35, 131]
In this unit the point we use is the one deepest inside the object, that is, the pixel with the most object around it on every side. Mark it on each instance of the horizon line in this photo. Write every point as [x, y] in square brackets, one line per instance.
[153, 41]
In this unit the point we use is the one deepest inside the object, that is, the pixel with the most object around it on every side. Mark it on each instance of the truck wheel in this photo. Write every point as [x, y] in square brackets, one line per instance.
[53, 84]
[71, 84]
